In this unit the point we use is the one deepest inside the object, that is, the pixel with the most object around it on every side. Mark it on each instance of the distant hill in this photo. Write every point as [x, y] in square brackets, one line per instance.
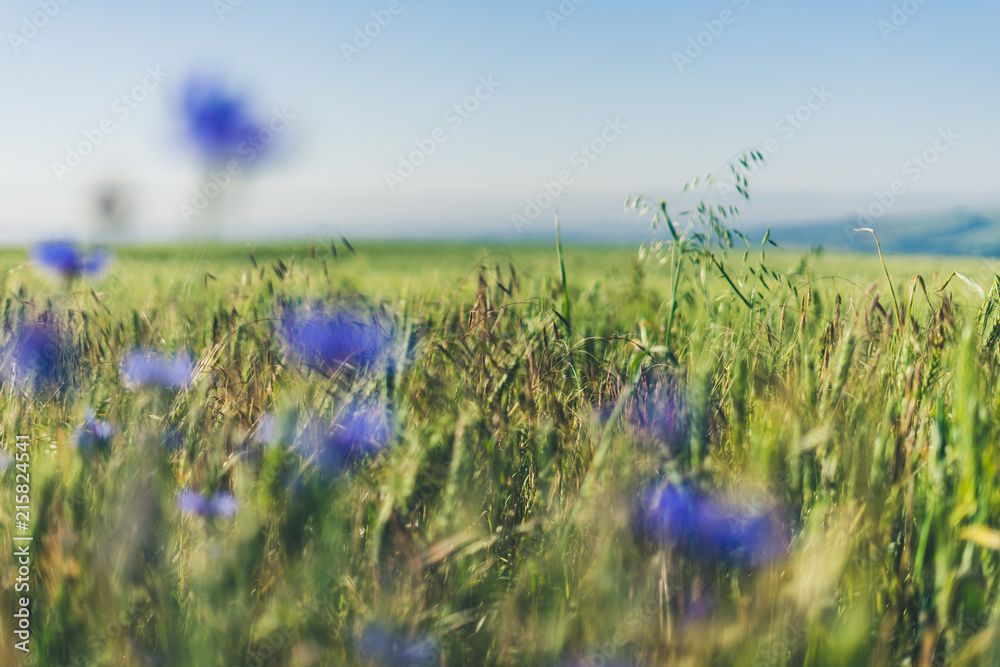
[958, 232]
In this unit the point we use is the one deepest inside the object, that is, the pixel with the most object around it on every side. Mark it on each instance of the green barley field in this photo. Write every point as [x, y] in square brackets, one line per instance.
[508, 456]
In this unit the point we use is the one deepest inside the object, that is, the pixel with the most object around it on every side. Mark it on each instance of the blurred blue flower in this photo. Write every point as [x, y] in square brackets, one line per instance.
[358, 434]
[93, 434]
[5, 462]
[192, 502]
[145, 368]
[36, 355]
[713, 527]
[267, 430]
[218, 122]
[658, 416]
[222, 504]
[68, 260]
[383, 647]
[330, 340]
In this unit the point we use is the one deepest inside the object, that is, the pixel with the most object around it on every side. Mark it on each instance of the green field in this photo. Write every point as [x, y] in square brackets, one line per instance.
[835, 441]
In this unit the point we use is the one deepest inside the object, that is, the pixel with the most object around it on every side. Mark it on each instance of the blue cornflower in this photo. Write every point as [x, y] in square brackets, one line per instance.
[93, 434]
[381, 646]
[222, 504]
[358, 434]
[331, 340]
[713, 527]
[68, 260]
[218, 122]
[36, 355]
[5, 462]
[145, 368]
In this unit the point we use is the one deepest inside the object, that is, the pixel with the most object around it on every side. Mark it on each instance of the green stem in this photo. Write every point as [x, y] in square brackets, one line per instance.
[736, 290]
[892, 290]
[562, 273]
[675, 269]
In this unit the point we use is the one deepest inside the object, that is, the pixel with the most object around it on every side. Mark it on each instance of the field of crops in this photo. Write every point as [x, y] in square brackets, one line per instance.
[445, 455]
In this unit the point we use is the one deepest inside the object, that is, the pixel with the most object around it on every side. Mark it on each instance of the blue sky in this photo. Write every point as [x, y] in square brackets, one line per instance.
[556, 86]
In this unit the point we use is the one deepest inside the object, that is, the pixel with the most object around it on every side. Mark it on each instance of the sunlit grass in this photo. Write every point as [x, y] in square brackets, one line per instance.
[498, 521]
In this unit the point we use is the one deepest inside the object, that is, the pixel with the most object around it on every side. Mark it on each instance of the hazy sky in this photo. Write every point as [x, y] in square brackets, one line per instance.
[628, 80]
